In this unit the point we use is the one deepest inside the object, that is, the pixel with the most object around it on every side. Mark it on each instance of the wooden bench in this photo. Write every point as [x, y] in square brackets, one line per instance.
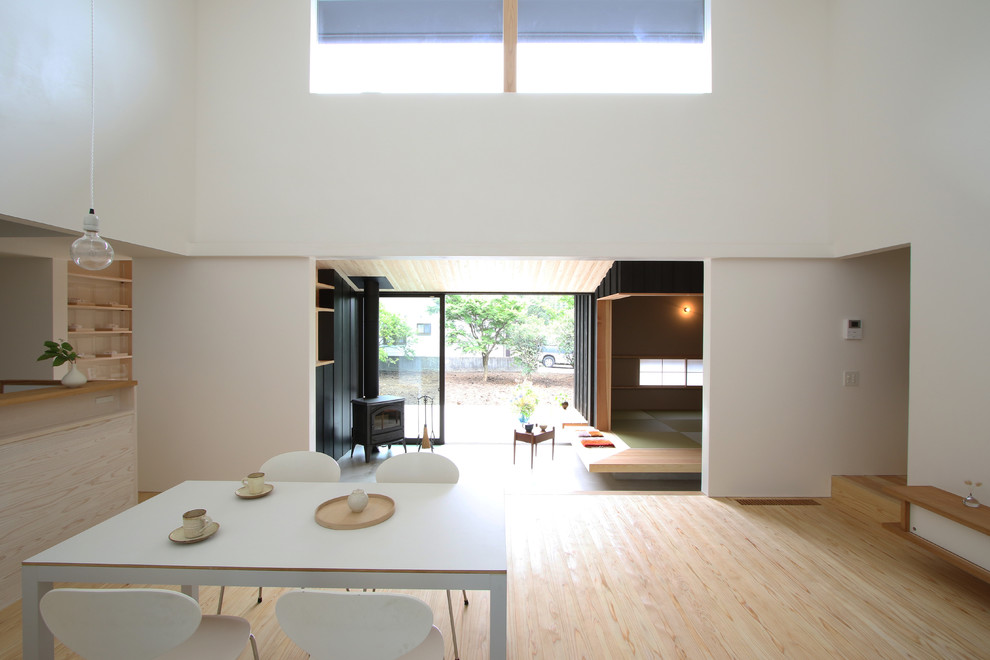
[948, 505]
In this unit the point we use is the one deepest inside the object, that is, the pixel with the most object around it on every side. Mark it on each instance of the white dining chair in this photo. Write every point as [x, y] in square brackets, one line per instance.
[295, 466]
[301, 466]
[140, 624]
[330, 625]
[422, 468]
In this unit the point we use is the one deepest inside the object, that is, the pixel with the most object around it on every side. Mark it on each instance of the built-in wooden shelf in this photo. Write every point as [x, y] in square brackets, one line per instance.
[105, 278]
[100, 332]
[102, 308]
[325, 294]
[945, 504]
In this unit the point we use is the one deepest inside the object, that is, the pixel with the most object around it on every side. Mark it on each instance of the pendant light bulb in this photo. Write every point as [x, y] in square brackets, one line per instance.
[90, 251]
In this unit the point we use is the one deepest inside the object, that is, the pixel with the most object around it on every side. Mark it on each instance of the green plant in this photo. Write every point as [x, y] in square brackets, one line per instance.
[479, 324]
[524, 400]
[393, 331]
[59, 353]
[560, 398]
[524, 340]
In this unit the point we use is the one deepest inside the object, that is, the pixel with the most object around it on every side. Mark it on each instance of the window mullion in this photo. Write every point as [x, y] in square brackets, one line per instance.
[510, 36]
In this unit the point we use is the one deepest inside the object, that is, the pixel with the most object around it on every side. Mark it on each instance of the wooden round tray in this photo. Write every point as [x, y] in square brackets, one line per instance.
[335, 514]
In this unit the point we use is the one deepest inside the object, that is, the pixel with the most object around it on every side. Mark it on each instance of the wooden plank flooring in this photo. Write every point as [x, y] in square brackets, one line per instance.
[622, 575]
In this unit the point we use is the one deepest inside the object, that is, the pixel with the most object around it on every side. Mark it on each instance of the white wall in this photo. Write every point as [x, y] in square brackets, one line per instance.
[224, 358]
[835, 127]
[780, 422]
[668, 175]
[911, 97]
[26, 298]
[145, 131]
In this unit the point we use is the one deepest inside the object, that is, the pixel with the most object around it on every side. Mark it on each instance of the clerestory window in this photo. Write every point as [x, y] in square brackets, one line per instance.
[415, 46]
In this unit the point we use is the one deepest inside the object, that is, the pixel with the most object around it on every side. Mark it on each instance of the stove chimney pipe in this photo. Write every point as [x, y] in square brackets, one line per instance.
[371, 291]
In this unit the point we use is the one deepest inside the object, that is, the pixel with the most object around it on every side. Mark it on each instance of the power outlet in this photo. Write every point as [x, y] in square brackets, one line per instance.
[850, 379]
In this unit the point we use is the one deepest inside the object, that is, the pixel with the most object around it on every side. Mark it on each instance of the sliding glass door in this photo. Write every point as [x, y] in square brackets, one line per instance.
[461, 362]
[409, 357]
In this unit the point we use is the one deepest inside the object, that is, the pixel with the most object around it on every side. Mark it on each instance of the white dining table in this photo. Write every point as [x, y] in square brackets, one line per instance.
[441, 536]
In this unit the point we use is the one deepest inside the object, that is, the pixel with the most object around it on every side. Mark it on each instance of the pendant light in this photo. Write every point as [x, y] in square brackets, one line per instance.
[91, 251]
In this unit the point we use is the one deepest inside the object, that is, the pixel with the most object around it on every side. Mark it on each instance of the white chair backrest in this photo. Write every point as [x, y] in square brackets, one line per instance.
[301, 466]
[418, 468]
[356, 626]
[120, 624]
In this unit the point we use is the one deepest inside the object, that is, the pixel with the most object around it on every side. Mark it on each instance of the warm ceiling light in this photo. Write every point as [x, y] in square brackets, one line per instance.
[90, 251]
[687, 310]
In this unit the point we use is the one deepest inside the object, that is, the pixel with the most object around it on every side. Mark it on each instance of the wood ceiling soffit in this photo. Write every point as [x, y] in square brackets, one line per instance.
[478, 275]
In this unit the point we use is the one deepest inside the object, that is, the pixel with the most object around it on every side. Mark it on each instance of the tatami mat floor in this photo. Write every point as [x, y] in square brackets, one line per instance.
[658, 429]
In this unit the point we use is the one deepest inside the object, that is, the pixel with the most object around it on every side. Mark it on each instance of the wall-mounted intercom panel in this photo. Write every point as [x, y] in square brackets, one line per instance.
[852, 329]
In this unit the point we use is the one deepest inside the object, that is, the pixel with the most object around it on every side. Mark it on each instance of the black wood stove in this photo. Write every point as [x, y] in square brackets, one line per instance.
[378, 421]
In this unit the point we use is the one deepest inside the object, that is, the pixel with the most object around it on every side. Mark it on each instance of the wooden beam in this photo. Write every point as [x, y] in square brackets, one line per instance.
[603, 407]
[510, 37]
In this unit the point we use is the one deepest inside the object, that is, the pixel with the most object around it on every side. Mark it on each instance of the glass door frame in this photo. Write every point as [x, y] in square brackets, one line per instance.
[442, 297]
[441, 396]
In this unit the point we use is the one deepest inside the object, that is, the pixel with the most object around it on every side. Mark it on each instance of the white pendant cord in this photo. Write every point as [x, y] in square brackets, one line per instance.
[90, 251]
[92, 104]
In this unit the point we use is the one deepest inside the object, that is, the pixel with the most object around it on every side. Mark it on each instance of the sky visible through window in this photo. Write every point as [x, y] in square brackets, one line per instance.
[405, 68]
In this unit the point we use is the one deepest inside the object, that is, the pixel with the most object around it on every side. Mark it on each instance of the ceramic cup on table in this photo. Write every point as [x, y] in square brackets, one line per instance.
[255, 483]
[194, 522]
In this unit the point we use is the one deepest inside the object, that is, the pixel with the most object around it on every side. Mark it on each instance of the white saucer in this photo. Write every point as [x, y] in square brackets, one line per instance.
[246, 494]
[179, 535]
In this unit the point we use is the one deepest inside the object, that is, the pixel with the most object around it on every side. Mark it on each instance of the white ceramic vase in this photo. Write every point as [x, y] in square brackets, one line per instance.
[74, 378]
[357, 500]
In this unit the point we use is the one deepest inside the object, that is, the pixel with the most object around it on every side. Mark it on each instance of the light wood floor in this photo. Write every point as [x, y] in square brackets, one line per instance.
[610, 576]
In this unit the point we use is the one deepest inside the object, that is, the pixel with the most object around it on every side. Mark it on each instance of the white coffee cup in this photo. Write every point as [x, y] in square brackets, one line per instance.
[255, 482]
[194, 522]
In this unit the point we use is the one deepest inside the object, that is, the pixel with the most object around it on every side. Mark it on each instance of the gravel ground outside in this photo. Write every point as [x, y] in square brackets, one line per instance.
[469, 388]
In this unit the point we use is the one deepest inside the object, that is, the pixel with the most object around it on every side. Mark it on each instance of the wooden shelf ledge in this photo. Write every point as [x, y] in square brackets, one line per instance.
[58, 390]
[948, 505]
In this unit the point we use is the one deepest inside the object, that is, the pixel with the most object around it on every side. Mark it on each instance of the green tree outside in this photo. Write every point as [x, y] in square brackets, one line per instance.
[393, 331]
[479, 324]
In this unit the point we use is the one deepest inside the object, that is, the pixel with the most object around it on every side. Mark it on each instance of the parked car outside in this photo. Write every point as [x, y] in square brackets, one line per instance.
[551, 356]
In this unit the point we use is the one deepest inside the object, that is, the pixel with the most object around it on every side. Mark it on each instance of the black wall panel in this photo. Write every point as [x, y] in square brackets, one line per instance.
[338, 383]
[584, 354]
[653, 277]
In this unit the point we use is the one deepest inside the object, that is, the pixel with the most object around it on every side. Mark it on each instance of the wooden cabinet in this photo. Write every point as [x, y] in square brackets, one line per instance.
[100, 320]
[324, 316]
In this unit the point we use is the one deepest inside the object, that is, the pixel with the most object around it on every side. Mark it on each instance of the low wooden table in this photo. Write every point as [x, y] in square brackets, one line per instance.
[533, 439]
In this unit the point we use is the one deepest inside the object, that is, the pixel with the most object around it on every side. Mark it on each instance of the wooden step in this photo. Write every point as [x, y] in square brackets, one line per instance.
[652, 461]
[622, 458]
[862, 496]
